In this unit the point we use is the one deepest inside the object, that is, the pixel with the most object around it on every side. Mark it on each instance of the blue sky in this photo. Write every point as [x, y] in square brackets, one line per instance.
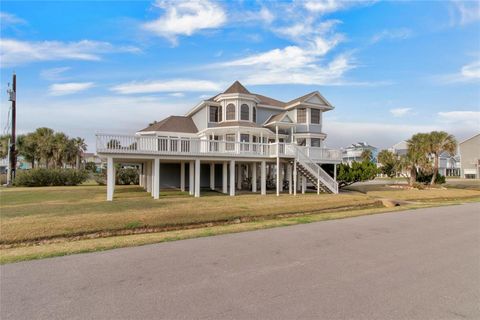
[391, 68]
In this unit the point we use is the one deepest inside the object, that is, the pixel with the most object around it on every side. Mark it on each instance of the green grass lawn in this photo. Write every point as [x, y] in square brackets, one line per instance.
[51, 221]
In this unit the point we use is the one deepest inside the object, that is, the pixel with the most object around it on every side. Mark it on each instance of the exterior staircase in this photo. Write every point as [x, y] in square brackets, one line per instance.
[314, 173]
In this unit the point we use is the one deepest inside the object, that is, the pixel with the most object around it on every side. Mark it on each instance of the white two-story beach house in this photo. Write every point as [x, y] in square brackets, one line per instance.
[236, 140]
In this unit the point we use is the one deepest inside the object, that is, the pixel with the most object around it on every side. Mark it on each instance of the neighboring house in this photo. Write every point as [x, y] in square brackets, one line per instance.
[448, 165]
[234, 140]
[354, 152]
[470, 157]
[21, 164]
[92, 157]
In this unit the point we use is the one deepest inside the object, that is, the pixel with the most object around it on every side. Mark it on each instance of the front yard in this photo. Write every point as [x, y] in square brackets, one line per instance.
[43, 222]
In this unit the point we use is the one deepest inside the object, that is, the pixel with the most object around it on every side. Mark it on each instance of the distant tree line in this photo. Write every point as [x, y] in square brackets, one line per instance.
[421, 160]
[46, 148]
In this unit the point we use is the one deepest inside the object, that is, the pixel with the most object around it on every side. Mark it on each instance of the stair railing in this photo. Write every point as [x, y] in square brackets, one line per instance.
[316, 170]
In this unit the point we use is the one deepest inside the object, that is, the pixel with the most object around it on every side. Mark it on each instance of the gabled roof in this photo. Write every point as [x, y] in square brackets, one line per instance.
[173, 124]
[237, 87]
[306, 97]
[280, 117]
[238, 124]
[269, 101]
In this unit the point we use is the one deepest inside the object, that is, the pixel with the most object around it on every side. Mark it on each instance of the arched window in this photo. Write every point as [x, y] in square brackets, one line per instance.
[254, 114]
[230, 112]
[244, 112]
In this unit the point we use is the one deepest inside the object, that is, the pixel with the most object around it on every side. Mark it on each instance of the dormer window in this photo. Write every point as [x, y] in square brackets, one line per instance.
[230, 112]
[315, 116]
[215, 114]
[244, 112]
[301, 115]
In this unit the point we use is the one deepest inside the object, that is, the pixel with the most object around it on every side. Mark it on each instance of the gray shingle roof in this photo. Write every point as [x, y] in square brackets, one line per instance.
[174, 124]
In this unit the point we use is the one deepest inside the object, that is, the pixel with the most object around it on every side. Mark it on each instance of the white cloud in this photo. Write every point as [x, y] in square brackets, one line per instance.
[16, 52]
[177, 94]
[53, 74]
[165, 86]
[395, 34]
[465, 12]
[9, 19]
[185, 18]
[467, 118]
[61, 89]
[329, 6]
[400, 112]
[468, 73]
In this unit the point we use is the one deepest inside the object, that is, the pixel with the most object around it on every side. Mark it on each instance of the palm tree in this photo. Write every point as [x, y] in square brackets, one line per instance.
[4, 145]
[59, 148]
[367, 155]
[28, 147]
[416, 156]
[437, 143]
[80, 147]
[45, 142]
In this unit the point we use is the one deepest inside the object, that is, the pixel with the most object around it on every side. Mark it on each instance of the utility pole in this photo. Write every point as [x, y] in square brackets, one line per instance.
[13, 153]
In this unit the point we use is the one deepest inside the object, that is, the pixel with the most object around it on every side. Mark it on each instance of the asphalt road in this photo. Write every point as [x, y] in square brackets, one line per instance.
[422, 264]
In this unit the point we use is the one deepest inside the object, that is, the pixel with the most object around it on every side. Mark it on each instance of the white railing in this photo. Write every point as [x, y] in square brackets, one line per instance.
[316, 170]
[179, 146]
[319, 154]
[134, 144]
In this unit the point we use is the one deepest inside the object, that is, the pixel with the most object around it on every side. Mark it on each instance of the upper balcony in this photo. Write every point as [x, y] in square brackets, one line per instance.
[170, 146]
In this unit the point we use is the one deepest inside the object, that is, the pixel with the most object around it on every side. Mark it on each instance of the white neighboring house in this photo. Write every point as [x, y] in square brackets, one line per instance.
[354, 152]
[234, 140]
[448, 165]
[470, 157]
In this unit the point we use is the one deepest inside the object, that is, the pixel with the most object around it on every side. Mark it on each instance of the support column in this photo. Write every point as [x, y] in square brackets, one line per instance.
[197, 178]
[152, 179]
[289, 178]
[282, 176]
[304, 184]
[140, 175]
[191, 178]
[263, 178]
[232, 177]
[335, 172]
[254, 177]
[212, 176]
[295, 177]
[225, 177]
[148, 176]
[156, 178]
[110, 179]
[239, 176]
[182, 176]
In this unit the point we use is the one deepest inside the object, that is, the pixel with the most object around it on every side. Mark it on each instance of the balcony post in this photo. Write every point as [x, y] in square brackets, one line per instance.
[212, 176]
[263, 178]
[110, 179]
[197, 178]
[254, 177]
[295, 177]
[191, 178]
[232, 177]
[148, 176]
[182, 176]
[156, 178]
[225, 177]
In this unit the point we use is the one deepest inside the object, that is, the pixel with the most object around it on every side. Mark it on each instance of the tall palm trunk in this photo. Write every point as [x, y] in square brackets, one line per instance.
[413, 176]
[77, 162]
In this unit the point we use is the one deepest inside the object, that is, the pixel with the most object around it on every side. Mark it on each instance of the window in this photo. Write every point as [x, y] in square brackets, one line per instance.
[254, 114]
[315, 142]
[315, 116]
[302, 142]
[245, 138]
[301, 115]
[231, 138]
[230, 112]
[215, 114]
[244, 112]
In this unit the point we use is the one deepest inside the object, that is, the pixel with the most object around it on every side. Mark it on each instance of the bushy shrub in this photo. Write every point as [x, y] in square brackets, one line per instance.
[42, 177]
[426, 178]
[356, 172]
[123, 176]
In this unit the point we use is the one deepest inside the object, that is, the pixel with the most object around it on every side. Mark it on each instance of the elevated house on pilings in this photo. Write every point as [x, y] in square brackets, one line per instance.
[236, 140]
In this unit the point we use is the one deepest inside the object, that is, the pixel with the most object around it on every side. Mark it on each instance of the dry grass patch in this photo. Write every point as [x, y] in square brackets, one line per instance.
[39, 213]
[426, 195]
